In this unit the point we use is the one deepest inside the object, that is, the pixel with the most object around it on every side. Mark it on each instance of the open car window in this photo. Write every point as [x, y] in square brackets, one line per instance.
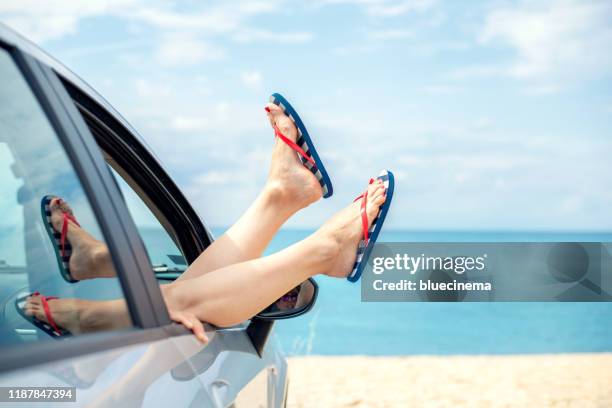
[166, 258]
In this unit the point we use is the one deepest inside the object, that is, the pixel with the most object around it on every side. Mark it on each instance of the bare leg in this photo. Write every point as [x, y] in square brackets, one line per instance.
[290, 187]
[237, 292]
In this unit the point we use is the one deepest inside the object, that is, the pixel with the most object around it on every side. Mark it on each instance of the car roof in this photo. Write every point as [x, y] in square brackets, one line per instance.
[12, 38]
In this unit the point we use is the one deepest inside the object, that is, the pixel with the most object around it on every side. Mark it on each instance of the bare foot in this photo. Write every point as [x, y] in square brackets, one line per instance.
[81, 316]
[344, 231]
[89, 257]
[288, 177]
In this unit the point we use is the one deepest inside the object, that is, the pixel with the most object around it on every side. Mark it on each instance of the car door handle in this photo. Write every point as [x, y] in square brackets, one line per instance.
[219, 389]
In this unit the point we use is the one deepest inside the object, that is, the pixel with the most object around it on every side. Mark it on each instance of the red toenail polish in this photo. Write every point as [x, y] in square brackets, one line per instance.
[267, 109]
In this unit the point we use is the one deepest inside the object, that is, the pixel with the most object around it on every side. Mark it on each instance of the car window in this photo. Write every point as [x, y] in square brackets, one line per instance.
[166, 258]
[52, 285]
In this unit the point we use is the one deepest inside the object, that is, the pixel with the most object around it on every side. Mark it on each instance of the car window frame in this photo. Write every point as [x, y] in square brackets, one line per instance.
[140, 289]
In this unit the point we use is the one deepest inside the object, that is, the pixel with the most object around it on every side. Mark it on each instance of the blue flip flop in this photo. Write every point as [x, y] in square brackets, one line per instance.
[307, 152]
[371, 234]
[61, 245]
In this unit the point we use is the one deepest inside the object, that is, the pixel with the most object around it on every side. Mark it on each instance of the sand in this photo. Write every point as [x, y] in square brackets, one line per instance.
[561, 380]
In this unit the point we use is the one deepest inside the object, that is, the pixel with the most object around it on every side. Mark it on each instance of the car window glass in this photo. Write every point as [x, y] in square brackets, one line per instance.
[35, 171]
[166, 258]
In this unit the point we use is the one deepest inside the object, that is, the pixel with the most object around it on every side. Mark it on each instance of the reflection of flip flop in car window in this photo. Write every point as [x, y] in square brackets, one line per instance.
[230, 281]
[79, 255]
[64, 317]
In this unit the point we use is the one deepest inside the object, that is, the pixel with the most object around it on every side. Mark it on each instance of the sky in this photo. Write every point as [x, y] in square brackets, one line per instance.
[492, 115]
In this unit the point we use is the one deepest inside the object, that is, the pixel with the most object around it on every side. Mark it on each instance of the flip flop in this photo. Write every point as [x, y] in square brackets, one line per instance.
[371, 234]
[303, 146]
[61, 245]
[51, 328]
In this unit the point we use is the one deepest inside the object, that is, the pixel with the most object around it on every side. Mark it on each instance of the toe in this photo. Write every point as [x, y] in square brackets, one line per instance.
[282, 121]
[380, 199]
[34, 300]
[54, 204]
[65, 207]
[269, 107]
[380, 190]
[374, 187]
[272, 108]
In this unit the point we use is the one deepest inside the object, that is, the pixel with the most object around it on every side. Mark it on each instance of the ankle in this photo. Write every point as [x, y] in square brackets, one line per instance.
[275, 197]
[324, 249]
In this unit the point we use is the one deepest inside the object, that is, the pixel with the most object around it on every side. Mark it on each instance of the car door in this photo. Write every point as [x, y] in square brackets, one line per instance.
[147, 360]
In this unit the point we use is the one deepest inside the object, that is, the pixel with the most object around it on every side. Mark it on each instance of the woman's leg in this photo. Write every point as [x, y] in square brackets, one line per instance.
[289, 188]
[237, 292]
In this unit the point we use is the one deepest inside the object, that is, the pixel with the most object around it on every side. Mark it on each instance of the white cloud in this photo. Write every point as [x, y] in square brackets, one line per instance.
[186, 49]
[354, 49]
[386, 8]
[390, 34]
[53, 19]
[554, 40]
[252, 79]
[544, 89]
[184, 37]
[190, 123]
[251, 35]
[442, 89]
[47, 20]
[475, 71]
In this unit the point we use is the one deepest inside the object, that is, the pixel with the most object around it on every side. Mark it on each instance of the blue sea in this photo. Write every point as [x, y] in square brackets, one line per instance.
[340, 324]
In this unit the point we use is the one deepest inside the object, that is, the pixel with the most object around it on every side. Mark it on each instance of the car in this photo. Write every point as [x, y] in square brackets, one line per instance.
[60, 138]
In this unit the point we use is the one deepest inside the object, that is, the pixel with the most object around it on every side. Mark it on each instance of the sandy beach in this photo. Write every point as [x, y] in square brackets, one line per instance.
[561, 380]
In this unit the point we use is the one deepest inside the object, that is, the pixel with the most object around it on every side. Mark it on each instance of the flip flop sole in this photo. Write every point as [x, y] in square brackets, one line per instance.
[20, 302]
[363, 252]
[305, 142]
[63, 263]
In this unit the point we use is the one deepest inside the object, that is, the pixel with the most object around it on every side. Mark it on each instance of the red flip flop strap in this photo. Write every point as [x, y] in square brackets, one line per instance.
[292, 145]
[364, 219]
[66, 218]
[73, 219]
[48, 315]
[64, 233]
[364, 215]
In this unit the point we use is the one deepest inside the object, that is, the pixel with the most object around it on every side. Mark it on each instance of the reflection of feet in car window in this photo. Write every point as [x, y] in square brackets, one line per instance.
[78, 315]
[89, 257]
